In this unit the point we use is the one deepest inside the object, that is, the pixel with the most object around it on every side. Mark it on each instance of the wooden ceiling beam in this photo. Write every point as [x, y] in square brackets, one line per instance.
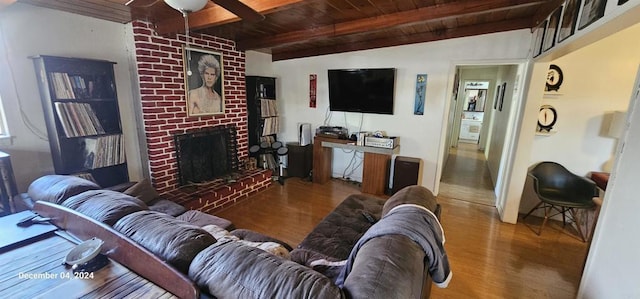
[486, 28]
[405, 18]
[216, 15]
[105, 10]
[544, 11]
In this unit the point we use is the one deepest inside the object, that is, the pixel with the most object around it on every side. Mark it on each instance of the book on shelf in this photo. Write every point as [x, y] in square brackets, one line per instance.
[85, 175]
[270, 126]
[269, 138]
[268, 108]
[64, 117]
[78, 119]
[103, 151]
[62, 87]
[71, 87]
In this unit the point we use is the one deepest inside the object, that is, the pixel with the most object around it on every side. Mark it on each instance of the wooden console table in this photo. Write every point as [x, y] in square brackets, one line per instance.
[375, 169]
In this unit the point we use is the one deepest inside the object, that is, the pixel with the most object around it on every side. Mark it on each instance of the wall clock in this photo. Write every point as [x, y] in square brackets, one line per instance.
[547, 118]
[554, 78]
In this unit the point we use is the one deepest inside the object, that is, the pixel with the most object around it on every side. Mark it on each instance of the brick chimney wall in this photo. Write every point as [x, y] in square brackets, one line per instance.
[162, 88]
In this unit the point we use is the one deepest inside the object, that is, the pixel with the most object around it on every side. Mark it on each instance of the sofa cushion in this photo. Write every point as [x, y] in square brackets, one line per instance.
[223, 235]
[105, 205]
[143, 190]
[58, 188]
[339, 231]
[172, 240]
[254, 236]
[233, 270]
[166, 206]
[198, 218]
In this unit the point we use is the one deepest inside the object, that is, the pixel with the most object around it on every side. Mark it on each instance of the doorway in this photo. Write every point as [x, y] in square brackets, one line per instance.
[472, 164]
[473, 104]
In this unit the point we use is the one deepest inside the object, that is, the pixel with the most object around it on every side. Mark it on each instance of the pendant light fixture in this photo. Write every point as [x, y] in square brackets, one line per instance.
[185, 7]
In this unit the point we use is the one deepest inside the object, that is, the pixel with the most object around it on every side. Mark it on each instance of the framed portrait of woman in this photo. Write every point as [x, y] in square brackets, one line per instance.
[204, 81]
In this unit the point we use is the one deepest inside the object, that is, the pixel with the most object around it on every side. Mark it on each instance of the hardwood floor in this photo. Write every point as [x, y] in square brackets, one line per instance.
[489, 259]
[466, 176]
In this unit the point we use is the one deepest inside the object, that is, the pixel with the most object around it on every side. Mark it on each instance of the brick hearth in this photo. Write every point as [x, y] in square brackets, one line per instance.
[216, 195]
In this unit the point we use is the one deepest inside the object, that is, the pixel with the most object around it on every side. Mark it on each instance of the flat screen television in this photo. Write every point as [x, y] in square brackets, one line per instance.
[362, 90]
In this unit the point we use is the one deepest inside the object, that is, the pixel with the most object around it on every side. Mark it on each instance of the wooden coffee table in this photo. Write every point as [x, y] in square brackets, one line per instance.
[34, 267]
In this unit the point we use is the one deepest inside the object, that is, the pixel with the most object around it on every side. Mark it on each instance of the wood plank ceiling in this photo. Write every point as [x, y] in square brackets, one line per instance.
[297, 28]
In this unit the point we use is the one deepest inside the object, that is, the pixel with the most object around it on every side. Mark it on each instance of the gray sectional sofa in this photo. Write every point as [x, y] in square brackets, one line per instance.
[366, 248]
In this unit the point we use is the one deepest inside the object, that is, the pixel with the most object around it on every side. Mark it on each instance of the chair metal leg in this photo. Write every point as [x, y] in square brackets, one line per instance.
[547, 210]
[576, 220]
[531, 211]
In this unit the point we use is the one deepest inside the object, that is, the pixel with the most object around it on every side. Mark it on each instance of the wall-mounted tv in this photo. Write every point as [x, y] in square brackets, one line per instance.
[362, 90]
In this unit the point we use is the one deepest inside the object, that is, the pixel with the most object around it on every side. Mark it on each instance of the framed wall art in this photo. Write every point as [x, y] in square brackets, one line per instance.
[592, 10]
[204, 78]
[552, 29]
[504, 90]
[538, 38]
[495, 102]
[313, 87]
[421, 90]
[569, 19]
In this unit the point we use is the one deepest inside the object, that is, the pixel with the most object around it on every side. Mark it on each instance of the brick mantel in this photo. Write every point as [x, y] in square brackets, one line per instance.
[159, 62]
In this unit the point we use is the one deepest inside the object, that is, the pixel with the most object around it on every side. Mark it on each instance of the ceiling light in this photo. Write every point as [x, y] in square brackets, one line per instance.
[185, 6]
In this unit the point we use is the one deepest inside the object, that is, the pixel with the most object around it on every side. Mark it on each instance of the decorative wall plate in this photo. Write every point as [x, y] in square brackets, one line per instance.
[547, 118]
[554, 78]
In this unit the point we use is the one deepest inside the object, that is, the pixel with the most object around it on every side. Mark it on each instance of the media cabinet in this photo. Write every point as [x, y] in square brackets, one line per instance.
[375, 169]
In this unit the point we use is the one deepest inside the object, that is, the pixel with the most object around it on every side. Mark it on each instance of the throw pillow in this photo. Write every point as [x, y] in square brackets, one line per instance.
[57, 188]
[143, 191]
[172, 240]
[105, 205]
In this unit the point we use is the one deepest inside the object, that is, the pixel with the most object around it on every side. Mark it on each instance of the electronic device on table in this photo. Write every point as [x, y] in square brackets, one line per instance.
[332, 132]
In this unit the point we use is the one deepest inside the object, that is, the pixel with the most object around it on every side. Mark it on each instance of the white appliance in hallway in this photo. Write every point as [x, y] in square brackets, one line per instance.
[470, 130]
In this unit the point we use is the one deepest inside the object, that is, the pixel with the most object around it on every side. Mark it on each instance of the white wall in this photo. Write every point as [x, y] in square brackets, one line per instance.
[501, 119]
[612, 269]
[597, 80]
[29, 31]
[258, 64]
[419, 134]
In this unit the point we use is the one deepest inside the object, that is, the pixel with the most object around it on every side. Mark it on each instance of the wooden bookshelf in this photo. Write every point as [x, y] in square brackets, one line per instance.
[262, 109]
[81, 112]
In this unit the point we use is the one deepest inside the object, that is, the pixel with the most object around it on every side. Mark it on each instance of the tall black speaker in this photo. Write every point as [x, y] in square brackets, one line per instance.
[300, 160]
[406, 172]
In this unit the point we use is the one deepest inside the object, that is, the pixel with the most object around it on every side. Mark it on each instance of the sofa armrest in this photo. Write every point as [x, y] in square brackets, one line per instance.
[233, 270]
[390, 266]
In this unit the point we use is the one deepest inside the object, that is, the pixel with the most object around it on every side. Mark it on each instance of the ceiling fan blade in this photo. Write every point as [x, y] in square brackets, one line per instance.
[141, 3]
[241, 10]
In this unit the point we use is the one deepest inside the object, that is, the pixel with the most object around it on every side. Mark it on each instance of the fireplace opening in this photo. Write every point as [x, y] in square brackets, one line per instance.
[207, 154]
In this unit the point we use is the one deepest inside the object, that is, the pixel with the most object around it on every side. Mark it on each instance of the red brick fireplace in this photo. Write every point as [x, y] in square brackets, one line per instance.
[160, 73]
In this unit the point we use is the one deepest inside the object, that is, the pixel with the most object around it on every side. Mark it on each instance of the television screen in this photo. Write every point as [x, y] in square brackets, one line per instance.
[362, 90]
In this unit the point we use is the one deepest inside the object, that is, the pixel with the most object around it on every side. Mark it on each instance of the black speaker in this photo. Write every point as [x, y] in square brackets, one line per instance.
[406, 172]
[300, 160]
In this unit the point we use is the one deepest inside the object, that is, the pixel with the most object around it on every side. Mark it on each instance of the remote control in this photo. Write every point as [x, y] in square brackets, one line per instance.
[368, 217]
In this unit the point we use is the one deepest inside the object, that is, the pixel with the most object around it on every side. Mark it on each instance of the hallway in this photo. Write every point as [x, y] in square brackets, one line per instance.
[466, 176]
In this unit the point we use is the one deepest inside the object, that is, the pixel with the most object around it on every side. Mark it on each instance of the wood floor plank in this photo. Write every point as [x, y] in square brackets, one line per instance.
[489, 258]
